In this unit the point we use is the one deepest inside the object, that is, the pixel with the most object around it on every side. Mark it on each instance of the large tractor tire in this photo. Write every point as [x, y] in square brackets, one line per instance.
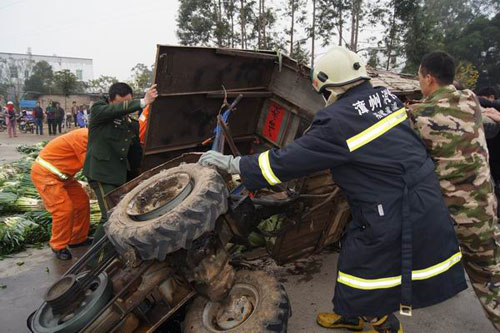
[168, 211]
[258, 303]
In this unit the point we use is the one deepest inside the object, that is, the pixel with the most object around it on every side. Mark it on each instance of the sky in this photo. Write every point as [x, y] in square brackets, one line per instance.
[116, 34]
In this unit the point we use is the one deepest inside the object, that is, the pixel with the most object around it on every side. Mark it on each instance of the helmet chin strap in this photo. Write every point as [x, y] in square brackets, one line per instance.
[332, 94]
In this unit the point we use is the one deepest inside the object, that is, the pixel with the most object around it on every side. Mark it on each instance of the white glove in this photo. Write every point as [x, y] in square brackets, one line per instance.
[228, 163]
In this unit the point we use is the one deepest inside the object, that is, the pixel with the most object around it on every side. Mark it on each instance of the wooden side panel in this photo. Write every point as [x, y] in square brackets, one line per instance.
[319, 228]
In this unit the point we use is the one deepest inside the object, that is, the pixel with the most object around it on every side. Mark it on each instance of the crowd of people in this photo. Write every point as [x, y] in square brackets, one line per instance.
[54, 116]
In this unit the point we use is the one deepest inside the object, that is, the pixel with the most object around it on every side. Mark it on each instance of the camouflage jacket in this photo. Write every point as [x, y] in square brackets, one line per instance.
[450, 123]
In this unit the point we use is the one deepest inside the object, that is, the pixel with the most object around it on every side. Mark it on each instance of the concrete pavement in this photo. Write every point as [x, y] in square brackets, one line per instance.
[311, 293]
[309, 283]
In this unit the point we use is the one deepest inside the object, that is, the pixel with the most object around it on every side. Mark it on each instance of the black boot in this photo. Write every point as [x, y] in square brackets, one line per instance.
[63, 254]
[86, 242]
[386, 324]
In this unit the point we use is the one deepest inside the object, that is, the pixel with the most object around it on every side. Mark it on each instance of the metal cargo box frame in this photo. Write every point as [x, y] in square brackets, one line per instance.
[278, 104]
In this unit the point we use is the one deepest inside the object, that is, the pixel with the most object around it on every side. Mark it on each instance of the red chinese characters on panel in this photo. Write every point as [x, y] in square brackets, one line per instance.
[273, 122]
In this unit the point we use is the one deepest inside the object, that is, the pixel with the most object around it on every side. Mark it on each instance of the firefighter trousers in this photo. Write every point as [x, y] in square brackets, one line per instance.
[67, 202]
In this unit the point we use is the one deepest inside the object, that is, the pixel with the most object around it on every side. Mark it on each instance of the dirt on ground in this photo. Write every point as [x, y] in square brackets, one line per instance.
[8, 145]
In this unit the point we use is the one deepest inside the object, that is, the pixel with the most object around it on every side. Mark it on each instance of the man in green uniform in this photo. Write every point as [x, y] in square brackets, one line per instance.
[111, 134]
[450, 123]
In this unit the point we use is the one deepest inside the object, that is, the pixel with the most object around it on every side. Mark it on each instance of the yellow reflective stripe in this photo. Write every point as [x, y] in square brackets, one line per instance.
[427, 273]
[51, 168]
[265, 168]
[421, 274]
[365, 284]
[376, 130]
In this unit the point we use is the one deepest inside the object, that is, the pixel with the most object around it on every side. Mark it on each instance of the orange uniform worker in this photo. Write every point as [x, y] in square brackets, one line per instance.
[63, 196]
[143, 123]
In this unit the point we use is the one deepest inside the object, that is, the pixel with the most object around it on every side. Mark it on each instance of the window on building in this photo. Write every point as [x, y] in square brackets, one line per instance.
[13, 72]
[79, 74]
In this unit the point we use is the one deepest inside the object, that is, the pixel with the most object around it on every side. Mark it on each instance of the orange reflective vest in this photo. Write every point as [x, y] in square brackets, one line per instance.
[67, 152]
[143, 123]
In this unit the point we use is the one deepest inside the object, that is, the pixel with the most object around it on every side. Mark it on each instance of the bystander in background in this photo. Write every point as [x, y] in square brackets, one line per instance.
[51, 118]
[11, 118]
[38, 115]
[59, 116]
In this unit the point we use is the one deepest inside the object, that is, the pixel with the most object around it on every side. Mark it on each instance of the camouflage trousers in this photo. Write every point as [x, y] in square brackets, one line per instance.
[480, 245]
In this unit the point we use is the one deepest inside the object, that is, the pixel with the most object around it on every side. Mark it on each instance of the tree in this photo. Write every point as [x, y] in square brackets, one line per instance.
[195, 22]
[479, 44]
[41, 78]
[332, 14]
[4, 91]
[300, 53]
[464, 28]
[393, 15]
[101, 84]
[221, 25]
[13, 72]
[261, 21]
[467, 74]
[421, 37]
[355, 18]
[297, 16]
[66, 83]
[312, 33]
[142, 78]
[264, 23]
[230, 11]
[249, 24]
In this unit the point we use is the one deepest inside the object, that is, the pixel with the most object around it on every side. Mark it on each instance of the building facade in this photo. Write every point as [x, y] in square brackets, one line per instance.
[20, 65]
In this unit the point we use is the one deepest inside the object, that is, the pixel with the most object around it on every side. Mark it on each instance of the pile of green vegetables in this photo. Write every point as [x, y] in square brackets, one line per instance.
[23, 218]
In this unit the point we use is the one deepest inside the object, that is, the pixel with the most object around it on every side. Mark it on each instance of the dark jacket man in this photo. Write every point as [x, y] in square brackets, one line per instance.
[59, 112]
[487, 99]
[38, 112]
[51, 119]
[38, 115]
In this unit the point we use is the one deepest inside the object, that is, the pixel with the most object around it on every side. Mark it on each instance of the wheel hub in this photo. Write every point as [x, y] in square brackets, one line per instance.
[230, 314]
[160, 197]
[77, 312]
[237, 311]
[62, 293]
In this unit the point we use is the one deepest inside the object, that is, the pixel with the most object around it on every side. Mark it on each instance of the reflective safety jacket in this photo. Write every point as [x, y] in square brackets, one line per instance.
[400, 247]
[143, 124]
[65, 154]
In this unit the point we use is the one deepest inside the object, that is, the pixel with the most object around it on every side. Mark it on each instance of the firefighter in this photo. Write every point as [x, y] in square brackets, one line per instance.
[62, 195]
[400, 250]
